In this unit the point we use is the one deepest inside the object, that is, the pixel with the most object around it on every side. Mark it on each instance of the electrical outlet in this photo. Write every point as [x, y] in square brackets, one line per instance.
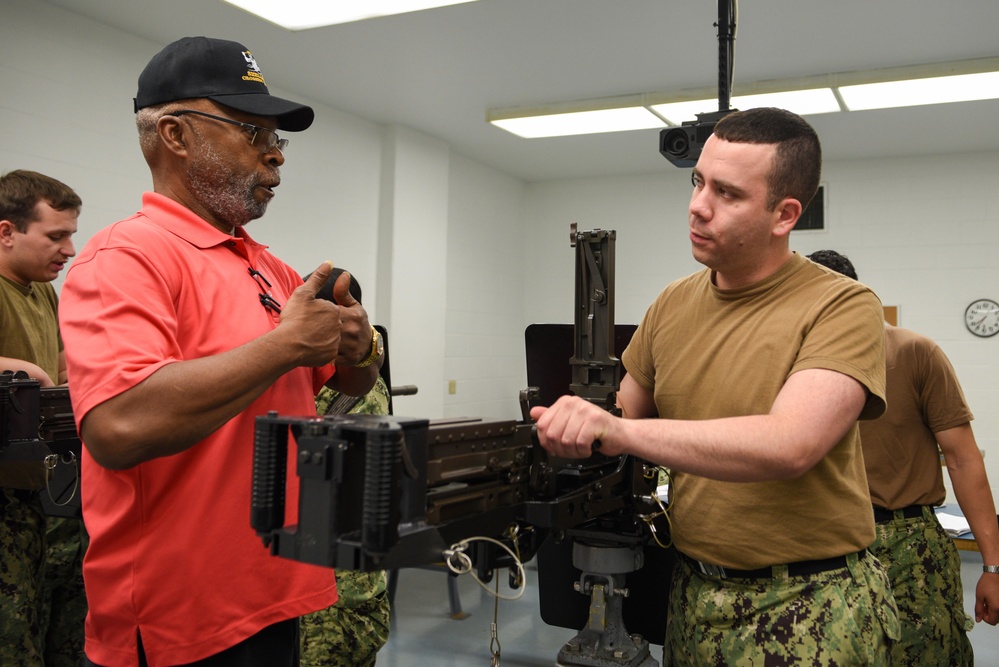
[452, 386]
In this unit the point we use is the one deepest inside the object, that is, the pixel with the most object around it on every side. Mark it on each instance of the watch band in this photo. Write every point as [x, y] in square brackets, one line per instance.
[991, 569]
[376, 350]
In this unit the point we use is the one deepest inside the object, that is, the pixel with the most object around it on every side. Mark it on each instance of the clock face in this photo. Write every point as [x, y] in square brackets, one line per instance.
[982, 318]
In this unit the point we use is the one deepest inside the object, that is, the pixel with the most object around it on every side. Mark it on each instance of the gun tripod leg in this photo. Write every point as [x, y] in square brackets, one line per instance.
[605, 641]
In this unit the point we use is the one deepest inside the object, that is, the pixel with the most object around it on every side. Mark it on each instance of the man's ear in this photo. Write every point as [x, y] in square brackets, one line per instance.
[7, 230]
[173, 133]
[788, 211]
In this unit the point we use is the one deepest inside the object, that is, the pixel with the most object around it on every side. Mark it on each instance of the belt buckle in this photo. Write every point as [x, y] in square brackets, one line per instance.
[712, 570]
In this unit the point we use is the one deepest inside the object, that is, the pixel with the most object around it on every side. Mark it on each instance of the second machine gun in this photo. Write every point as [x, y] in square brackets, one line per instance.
[37, 425]
[382, 492]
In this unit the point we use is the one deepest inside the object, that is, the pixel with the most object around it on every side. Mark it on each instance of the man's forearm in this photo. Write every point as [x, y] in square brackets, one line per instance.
[971, 487]
[354, 381]
[33, 370]
[192, 399]
[783, 444]
[737, 449]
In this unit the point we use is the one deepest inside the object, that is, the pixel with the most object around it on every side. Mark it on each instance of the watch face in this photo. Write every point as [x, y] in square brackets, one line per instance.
[982, 318]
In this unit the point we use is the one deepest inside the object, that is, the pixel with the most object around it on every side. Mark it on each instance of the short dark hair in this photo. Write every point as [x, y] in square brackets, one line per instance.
[326, 291]
[797, 164]
[835, 261]
[21, 190]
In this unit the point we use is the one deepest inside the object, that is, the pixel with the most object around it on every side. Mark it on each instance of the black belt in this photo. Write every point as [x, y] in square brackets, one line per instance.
[881, 515]
[800, 569]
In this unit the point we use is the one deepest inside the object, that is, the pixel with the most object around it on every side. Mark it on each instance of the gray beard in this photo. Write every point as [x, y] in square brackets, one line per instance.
[228, 196]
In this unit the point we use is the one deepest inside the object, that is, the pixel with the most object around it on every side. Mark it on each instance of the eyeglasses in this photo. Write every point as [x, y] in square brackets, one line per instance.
[267, 299]
[263, 139]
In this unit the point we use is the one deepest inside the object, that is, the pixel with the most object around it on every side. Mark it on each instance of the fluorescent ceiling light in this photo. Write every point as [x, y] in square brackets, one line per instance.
[581, 122]
[801, 102]
[623, 119]
[305, 14]
[918, 92]
[676, 113]
[936, 83]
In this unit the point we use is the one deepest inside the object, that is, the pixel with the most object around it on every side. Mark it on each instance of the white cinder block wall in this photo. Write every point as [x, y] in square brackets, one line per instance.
[487, 280]
[456, 259]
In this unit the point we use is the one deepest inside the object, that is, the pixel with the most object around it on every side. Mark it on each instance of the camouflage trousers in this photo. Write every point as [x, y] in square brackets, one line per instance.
[840, 617]
[42, 603]
[64, 601]
[22, 566]
[350, 633]
[924, 569]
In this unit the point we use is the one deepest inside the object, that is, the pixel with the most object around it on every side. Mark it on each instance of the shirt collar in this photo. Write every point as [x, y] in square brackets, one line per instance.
[181, 221]
[26, 290]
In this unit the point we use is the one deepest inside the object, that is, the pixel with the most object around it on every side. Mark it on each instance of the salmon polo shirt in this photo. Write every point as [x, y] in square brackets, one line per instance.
[172, 554]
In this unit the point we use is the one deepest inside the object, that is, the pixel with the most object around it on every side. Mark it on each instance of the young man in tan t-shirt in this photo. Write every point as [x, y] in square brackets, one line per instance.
[42, 600]
[927, 414]
[746, 380]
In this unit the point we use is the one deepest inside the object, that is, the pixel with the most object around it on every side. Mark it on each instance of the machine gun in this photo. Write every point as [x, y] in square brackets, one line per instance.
[388, 492]
[36, 424]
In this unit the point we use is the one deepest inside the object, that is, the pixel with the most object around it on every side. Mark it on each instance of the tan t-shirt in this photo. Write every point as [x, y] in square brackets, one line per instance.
[900, 448]
[29, 325]
[29, 330]
[708, 353]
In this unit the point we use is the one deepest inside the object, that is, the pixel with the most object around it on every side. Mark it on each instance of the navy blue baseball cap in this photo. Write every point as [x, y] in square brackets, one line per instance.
[222, 71]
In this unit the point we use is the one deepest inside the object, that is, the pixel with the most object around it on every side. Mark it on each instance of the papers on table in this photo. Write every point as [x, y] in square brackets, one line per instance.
[953, 524]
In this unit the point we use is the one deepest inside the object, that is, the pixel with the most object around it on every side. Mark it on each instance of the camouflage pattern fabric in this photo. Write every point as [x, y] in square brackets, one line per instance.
[375, 402]
[22, 549]
[924, 569]
[63, 605]
[836, 618]
[42, 601]
[350, 633]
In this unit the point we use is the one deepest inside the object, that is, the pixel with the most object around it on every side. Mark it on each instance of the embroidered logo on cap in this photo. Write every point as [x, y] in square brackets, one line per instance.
[254, 73]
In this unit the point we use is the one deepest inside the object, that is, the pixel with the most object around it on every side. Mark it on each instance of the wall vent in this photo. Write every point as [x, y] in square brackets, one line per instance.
[813, 217]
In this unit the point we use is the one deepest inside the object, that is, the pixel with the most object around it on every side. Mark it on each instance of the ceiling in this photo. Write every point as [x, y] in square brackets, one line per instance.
[439, 71]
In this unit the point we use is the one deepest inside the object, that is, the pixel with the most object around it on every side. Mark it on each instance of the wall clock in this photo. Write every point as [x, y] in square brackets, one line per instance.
[982, 317]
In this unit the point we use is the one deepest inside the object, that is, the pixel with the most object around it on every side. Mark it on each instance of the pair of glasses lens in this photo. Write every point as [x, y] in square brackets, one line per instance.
[267, 299]
[261, 138]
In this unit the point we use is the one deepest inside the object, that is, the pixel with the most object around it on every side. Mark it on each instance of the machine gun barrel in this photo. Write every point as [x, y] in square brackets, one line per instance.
[596, 371]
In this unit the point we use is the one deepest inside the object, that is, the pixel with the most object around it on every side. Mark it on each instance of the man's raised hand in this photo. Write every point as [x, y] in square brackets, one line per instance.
[355, 331]
[316, 322]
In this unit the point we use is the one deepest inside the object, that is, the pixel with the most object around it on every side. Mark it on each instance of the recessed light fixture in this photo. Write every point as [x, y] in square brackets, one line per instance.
[939, 83]
[305, 14]
[580, 122]
[917, 92]
[801, 102]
